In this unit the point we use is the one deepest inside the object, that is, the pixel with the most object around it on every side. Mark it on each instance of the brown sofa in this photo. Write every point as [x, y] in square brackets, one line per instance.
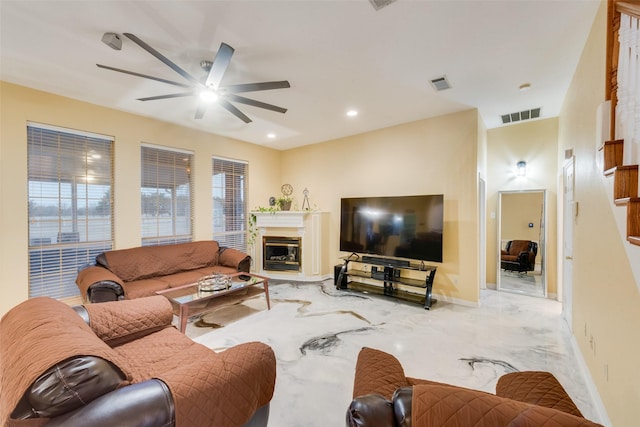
[123, 364]
[140, 272]
[385, 397]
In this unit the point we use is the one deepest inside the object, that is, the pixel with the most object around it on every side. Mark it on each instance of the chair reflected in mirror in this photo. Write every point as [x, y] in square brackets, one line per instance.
[519, 255]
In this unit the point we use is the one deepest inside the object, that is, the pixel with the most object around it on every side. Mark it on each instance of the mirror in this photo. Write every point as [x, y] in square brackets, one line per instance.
[521, 239]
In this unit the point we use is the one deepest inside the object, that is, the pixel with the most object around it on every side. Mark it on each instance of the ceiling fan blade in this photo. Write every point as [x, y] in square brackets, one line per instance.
[172, 95]
[253, 87]
[233, 110]
[219, 66]
[255, 103]
[106, 67]
[200, 111]
[162, 58]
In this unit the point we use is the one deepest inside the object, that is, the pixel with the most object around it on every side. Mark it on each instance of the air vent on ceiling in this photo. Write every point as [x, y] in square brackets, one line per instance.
[441, 83]
[379, 4]
[519, 116]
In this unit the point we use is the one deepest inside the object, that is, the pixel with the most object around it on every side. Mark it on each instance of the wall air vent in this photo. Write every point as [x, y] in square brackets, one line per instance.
[519, 116]
[441, 83]
[379, 4]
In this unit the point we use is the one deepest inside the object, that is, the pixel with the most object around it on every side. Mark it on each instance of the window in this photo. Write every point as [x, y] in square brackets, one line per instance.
[229, 187]
[70, 206]
[166, 193]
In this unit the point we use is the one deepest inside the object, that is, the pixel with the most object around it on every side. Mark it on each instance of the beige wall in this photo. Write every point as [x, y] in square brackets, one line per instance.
[606, 298]
[430, 156]
[536, 143]
[518, 210]
[19, 105]
[427, 157]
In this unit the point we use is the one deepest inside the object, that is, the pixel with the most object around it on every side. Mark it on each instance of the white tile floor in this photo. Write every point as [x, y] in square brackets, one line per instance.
[527, 284]
[317, 331]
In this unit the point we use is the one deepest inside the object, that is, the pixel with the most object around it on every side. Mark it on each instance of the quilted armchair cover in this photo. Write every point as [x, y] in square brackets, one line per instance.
[385, 397]
[206, 388]
[437, 405]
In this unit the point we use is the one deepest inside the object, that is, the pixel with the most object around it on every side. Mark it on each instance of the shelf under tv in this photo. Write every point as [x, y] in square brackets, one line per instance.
[390, 281]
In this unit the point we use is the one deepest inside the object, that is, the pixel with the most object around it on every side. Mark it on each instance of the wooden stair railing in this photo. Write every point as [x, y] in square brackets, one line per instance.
[625, 186]
[633, 221]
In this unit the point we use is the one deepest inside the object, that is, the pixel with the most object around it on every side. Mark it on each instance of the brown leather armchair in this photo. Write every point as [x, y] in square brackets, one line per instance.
[519, 255]
[385, 397]
[122, 363]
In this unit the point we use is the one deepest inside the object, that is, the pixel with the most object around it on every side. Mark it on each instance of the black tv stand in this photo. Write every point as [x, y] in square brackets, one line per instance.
[397, 277]
[392, 262]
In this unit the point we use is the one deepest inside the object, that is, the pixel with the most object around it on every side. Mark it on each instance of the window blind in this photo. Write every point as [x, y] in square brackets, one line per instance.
[70, 205]
[166, 196]
[229, 191]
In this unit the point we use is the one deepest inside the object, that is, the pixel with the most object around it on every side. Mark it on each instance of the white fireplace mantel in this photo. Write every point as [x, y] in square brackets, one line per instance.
[284, 219]
[311, 226]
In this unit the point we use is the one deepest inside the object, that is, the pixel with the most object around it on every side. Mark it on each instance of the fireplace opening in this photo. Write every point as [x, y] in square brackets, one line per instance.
[281, 253]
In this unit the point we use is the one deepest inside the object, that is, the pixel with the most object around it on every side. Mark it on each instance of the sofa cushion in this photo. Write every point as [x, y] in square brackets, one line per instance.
[144, 287]
[378, 372]
[538, 388]
[192, 276]
[152, 261]
[243, 374]
[149, 287]
[435, 405]
[130, 319]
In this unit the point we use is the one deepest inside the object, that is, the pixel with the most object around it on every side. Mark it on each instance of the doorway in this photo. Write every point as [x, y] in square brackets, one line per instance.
[567, 242]
[522, 242]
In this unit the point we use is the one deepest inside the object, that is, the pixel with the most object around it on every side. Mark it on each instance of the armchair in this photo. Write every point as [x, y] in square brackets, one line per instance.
[519, 255]
[385, 397]
[122, 363]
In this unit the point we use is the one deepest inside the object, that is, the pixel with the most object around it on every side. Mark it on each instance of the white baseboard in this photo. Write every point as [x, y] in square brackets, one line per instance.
[591, 386]
[458, 301]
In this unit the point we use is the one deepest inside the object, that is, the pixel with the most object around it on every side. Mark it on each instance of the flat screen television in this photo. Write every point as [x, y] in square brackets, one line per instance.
[400, 226]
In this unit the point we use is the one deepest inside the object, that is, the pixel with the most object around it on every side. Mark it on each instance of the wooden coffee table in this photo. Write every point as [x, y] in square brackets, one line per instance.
[189, 301]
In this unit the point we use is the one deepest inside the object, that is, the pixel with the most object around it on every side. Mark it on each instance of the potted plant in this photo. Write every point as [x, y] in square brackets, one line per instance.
[284, 203]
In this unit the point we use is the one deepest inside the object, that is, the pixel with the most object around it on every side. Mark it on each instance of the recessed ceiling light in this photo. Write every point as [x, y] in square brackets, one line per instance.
[271, 135]
[352, 113]
[525, 87]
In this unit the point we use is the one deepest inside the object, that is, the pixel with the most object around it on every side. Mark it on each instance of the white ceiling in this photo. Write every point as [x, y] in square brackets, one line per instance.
[337, 55]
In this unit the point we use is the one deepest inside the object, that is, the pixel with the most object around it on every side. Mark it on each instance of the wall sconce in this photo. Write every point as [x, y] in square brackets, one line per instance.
[521, 169]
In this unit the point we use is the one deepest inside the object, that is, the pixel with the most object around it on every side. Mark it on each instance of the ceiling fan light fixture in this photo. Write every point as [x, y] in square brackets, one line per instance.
[208, 96]
[209, 89]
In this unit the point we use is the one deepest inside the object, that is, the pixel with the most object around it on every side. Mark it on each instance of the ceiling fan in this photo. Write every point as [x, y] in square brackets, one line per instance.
[210, 87]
